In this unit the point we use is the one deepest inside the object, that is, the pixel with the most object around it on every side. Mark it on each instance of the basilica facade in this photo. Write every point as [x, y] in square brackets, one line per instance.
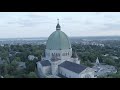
[59, 60]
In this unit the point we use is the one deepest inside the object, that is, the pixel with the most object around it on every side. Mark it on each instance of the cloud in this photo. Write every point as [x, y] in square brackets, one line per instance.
[72, 23]
[30, 20]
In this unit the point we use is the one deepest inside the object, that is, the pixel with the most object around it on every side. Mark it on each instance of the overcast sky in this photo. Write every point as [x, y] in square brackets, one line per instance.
[42, 24]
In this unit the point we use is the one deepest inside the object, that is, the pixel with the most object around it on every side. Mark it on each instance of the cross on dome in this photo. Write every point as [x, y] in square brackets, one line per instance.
[58, 21]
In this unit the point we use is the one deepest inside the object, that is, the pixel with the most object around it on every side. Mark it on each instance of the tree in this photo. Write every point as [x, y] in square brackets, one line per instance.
[30, 66]
[12, 67]
[8, 76]
[4, 55]
[38, 53]
[114, 75]
[88, 63]
[17, 59]
[5, 69]
[32, 75]
[20, 73]
[109, 61]
[14, 64]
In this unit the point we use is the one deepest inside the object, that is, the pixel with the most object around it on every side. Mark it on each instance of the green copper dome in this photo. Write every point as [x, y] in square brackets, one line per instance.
[58, 40]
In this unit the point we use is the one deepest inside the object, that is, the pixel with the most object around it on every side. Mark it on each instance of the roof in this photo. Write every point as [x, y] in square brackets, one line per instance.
[45, 63]
[58, 40]
[77, 68]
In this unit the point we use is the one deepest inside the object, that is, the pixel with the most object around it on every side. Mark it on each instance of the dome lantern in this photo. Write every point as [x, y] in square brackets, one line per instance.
[58, 26]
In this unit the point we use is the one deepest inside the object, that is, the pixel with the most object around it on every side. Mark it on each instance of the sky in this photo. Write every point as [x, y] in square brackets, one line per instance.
[42, 24]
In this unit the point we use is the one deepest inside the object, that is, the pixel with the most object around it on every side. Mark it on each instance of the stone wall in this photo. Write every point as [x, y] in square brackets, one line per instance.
[68, 73]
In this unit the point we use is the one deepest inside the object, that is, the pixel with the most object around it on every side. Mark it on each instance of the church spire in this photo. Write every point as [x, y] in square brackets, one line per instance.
[97, 61]
[58, 26]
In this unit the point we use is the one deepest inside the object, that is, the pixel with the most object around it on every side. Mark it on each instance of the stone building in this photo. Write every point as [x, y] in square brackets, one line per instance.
[59, 59]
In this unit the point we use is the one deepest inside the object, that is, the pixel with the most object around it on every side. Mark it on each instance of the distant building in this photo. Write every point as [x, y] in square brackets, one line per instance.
[21, 65]
[59, 61]
[102, 69]
[92, 43]
[114, 57]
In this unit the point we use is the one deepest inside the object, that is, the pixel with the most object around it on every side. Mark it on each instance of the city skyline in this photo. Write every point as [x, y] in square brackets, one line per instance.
[42, 24]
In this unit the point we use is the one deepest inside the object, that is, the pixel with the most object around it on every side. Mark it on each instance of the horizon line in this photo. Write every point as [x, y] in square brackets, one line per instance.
[69, 36]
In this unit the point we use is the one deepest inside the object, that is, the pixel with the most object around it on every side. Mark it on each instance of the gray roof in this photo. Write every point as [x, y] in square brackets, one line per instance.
[45, 63]
[77, 68]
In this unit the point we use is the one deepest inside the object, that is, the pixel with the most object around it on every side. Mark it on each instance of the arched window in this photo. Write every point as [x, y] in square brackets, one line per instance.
[52, 54]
